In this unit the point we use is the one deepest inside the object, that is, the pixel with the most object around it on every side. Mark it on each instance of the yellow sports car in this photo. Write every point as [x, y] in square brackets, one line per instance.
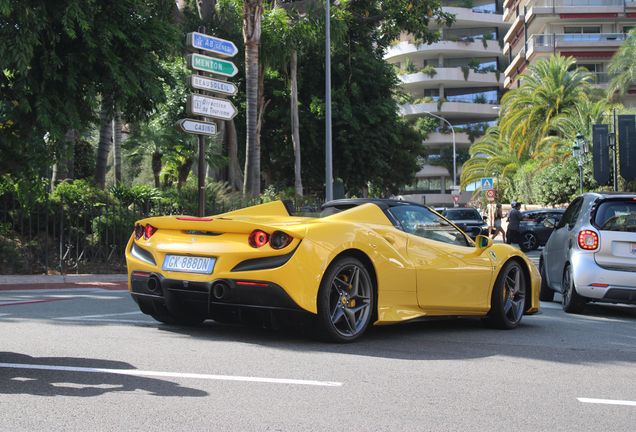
[359, 261]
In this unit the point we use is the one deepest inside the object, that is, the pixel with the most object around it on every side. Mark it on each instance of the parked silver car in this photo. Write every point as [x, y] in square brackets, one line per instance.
[591, 255]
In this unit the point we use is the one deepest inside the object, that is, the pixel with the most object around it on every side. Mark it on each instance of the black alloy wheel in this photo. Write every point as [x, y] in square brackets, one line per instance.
[572, 301]
[529, 241]
[345, 301]
[508, 297]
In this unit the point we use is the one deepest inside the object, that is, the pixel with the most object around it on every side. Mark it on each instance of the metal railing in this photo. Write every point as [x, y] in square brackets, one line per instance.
[57, 238]
[574, 3]
[554, 39]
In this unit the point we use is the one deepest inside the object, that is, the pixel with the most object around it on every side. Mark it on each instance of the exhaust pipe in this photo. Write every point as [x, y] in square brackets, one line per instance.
[154, 285]
[221, 291]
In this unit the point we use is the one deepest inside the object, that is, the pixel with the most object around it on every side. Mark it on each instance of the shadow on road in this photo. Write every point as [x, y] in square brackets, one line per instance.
[78, 383]
[604, 334]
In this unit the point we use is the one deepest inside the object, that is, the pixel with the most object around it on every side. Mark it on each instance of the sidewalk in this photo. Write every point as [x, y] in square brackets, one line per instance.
[108, 281]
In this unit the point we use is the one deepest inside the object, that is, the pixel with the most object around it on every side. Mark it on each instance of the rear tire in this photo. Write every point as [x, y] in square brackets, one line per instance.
[546, 293]
[345, 301]
[572, 301]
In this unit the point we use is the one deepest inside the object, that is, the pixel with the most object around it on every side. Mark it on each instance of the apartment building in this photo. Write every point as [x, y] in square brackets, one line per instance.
[459, 81]
[589, 30]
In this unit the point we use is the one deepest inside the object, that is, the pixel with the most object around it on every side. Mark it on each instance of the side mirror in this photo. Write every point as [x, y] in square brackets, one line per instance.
[485, 218]
[549, 223]
[482, 243]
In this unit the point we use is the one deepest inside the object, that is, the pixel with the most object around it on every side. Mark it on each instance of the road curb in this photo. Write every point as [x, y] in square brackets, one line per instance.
[30, 282]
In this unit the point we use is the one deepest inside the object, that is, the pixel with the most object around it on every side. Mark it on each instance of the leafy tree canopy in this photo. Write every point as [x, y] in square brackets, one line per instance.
[58, 58]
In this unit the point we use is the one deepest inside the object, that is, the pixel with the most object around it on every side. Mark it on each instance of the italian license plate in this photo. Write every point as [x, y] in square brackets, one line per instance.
[188, 264]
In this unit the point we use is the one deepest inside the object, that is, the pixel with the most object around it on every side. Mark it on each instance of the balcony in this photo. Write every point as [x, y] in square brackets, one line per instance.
[460, 111]
[462, 48]
[590, 45]
[450, 77]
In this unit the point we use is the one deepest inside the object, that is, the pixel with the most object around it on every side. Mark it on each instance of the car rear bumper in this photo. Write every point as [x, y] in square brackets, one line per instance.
[600, 284]
[183, 298]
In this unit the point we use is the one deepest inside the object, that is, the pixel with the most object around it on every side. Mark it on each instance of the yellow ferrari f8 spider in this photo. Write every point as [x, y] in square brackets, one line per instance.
[359, 261]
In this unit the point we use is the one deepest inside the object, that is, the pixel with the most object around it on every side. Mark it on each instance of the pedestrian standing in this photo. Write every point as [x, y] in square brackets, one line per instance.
[496, 228]
[513, 235]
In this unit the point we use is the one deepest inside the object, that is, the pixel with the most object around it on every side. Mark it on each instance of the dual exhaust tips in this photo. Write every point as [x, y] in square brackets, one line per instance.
[220, 290]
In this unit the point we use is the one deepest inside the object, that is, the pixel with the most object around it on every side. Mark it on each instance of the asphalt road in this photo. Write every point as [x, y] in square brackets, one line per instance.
[87, 359]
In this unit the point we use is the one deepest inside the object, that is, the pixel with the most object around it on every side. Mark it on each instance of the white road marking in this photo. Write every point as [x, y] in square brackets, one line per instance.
[93, 317]
[135, 372]
[607, 401]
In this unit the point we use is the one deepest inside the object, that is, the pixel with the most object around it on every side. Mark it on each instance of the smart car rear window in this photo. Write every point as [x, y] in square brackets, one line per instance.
[616, 215]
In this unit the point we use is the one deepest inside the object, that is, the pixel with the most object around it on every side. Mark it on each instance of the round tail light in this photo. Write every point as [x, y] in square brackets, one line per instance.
[279, 240]
[258, 238]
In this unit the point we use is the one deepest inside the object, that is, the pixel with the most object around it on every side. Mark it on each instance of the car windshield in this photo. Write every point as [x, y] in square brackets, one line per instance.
[463, 214]
[616, 215]
[424, 223]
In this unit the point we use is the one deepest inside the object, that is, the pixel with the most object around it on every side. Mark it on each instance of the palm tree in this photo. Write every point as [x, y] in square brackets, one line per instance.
[548, 95]
[252, 12]
[491, 157]
[117, 146]
[105, 138]
[622, 67]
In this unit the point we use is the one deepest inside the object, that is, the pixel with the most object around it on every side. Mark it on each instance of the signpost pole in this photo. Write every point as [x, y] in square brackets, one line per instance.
[201, 152]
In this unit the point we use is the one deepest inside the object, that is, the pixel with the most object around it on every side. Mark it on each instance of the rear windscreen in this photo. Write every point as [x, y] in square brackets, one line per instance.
[616, 215]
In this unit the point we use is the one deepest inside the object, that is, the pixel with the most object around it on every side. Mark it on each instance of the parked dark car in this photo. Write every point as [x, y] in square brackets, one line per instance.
[468, 220]
[535, 234]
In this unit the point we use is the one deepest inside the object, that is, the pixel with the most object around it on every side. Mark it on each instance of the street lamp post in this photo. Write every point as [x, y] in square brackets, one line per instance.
[454, 150]
[579, 150]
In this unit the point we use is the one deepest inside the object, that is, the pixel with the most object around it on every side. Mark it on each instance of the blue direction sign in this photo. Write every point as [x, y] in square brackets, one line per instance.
[221, 47]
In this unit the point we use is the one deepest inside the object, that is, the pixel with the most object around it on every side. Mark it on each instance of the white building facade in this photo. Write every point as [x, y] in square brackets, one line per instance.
[460, 79]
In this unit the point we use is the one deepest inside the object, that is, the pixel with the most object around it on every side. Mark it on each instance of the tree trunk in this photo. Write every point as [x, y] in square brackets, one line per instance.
[105, 138]
[235, 175]
[298, 183]
[252, 11]
[117, 146]
[183, 171]
[60, 169]
[156, 167]
[260, 109]
[206, 8]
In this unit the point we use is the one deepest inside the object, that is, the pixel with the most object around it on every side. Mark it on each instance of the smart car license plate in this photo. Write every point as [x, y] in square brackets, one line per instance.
[188, 264]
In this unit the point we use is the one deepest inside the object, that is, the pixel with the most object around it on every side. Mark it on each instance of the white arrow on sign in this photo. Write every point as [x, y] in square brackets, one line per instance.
[196, 127]
[210, 107]
[211, 85]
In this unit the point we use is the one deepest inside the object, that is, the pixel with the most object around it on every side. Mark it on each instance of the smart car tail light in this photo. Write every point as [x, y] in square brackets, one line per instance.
[279, 240]
[588, 240]
[139, 231]
[258, 238]
[149, 230]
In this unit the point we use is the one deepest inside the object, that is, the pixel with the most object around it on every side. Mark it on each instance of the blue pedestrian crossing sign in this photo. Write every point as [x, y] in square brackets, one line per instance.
[486, 183]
